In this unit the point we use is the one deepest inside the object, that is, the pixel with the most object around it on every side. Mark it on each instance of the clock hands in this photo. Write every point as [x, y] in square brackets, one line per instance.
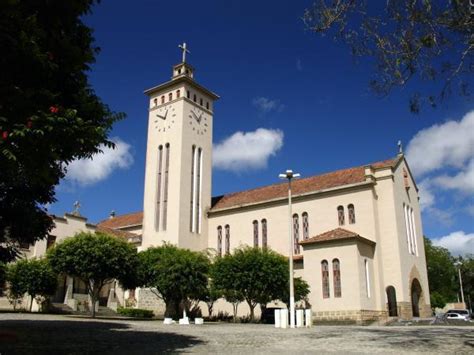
[163, 117]
[198, 119]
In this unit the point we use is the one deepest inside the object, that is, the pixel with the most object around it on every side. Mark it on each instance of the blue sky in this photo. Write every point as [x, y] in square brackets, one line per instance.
[305, 91]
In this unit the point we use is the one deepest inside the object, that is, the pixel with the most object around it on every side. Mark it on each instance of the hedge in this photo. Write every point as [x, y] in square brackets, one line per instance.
[135, 312]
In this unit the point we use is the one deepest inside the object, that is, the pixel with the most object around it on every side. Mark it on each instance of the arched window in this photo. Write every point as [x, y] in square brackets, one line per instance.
[178, 94]
[325, 278]
[165, 183]
[255, 234]
[351, 213]
[188, 94]
[305, 222]
[336, 272]
[264, 233]
[227, 239]
[340, 215]
[392, 301]
[163, 99]
[170, 96]
[155, 101]
[194, 97]
[296, 233]
[219, 241]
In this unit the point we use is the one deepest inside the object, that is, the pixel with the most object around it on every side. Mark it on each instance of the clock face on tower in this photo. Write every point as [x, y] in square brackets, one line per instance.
[165, 117]
[198, 121]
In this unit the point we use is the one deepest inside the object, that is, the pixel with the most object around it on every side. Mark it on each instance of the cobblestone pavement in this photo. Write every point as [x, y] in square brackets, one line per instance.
[54, 334]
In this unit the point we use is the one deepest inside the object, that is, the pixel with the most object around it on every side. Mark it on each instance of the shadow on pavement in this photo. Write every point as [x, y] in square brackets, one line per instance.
[86, 337]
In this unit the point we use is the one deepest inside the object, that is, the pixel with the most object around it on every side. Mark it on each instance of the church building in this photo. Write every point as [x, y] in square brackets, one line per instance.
[357, 232]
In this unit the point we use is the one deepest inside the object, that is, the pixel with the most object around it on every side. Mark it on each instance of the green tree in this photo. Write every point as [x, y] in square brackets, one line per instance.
[441, 274]
[2, 275]
[301, 291]
[258, 275]
[35, 277]
[426, 40]
[174, 275]
[467, 274]
[96, 259]
[49, 114]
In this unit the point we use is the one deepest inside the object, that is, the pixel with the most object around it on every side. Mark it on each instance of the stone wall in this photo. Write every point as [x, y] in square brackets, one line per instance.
[357, 316]
[146, 299]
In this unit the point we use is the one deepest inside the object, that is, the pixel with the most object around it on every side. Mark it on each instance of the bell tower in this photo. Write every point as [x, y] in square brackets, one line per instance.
[178, 167]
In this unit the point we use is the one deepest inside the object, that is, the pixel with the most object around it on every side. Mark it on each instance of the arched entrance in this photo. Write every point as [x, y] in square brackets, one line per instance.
[392, 301]
[415, 297]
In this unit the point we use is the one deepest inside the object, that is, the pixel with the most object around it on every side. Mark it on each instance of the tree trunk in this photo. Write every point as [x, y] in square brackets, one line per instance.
[210, 306]
[31, 303]
[252, 308]
[235, 305]
[263, 307]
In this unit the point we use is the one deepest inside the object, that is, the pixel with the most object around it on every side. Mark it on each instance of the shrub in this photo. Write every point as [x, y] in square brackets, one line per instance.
[135, 312]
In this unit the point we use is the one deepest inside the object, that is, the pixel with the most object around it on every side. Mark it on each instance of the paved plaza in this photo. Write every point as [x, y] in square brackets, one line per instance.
[55, 334]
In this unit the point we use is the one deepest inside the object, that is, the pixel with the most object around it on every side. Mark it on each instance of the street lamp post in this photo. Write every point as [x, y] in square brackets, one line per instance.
[458, 264]
[289, 175]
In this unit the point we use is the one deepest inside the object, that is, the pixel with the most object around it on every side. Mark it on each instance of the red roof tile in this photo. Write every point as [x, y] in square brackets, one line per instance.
[300, 186]
[130, 219]
[335, 235]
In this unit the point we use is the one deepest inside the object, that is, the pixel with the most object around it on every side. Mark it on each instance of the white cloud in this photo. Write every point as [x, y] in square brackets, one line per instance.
[458, 243]
[90, 171]
[462, 181]
[450, 144]
[267, 105]
[247, 150]
[427, 197]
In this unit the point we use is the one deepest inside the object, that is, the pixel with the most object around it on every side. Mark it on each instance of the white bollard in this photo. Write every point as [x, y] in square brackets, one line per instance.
[299, 318]
[198, 321]
[277, 319]
[168, 321]
[283, 318]
[308, 318]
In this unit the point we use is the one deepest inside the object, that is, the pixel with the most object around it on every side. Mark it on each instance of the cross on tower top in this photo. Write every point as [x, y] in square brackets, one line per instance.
[185, 50]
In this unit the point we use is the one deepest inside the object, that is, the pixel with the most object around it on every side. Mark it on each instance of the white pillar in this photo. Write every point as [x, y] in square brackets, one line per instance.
[284, 318]
[299, 318]
[308, 318]
[277, 318]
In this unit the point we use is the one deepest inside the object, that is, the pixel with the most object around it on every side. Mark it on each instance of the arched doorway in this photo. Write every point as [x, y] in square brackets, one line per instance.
[415, 297]
[392, 301]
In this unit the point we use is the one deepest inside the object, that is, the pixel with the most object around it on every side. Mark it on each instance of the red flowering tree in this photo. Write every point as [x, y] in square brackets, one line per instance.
[49, 114]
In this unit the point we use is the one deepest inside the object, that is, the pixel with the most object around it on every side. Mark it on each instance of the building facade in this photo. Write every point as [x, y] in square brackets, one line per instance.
[358, 238]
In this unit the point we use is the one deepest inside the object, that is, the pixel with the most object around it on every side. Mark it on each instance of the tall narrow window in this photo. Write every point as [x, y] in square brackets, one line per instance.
[367, 278]
[194, 97]
[414, 244]
[188, 94]
[158, 188]
[255, 234]
[178, 93]
[219, 241]
[305, 222]
[170, 96]
[200, 101]
[407, 226]
[227, 239]
[49, 243]
[207, 105]
[199, 191]
[336, 271]
[163, 99]
[296, 234]
[155, 101]
[165, 192]
[264, 233]
[325, 278]
[193, 189]
[351, 213]
[340, 215]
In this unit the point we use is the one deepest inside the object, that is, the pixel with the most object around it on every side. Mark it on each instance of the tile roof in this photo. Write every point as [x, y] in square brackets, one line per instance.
[130, 237]
[335, 235]
[300, 186]
[130, 219]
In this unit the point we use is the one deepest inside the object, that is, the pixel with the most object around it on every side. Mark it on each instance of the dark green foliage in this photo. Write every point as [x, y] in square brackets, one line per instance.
[467, 275]
[178, 275]
[135, 312]
[441, 274]
[427, 41]
[301, 291]
[2, 275]
[256, 275]
[49, 114]
[34, 276]
[96, 259]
